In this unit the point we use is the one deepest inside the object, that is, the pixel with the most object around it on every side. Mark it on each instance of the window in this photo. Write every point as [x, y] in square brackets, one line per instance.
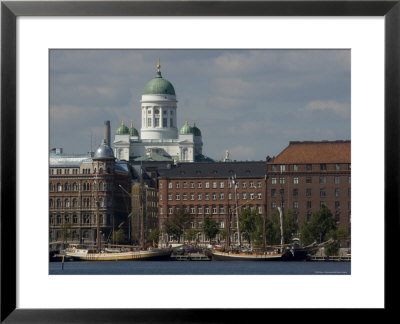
[177, 197]
[251, 184]
[169, 185]
[251, 195]
[51, 187]
[337, 192]
[171, 122]
[191, 196]
[295, 167]
[273, 205]
[308, 216]
[244, 184]
[229, 196]
[184, 185]
[221, 210]
[221, 184]
[322, 192]
[169, 196]
[199, 185]
[349, 179]
[221, 196]
[59, 187]
[214, 210]
[184, 196]
[192, 210]
[51, 203]
[177, 185]
[281, 192]
[148, 122]
[164, 122]
[282, 168]
[308, 204]
[258, 184]
[322, 180]
[259, 195]
[221, 224]
[66, 204]
[259, 208]
[169, 210]
[308, 192]
[214, 196]
[296, 180]
[273, 192]
[282, 180]
[337, 204]
[66, 187]
[244, 195]
[308, 179]
[273, 167]
[199, 196]
[58, 204]
[295, 192]
[322, 166]
[273, 180]
[309, 167]
[156, 121]
[337, 166]
[214, 184]
[206, 196]
[101, 202]
[207, 185]
[200, 210]
[192, 185]
[337, 180]
[207, 209]
[295, 204]
[75, 219]
[322, 204]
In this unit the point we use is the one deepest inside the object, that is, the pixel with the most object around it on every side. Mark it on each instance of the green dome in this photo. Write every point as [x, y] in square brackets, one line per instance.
[186, 129]
[122, 130]
[196, 131]
[159, 85]
[133, 131]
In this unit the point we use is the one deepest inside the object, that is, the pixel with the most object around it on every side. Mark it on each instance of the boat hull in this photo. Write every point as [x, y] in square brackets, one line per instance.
[121, 256]
[300, 255]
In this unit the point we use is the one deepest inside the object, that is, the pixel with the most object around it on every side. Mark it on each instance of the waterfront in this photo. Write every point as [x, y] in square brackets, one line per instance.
[199, 268]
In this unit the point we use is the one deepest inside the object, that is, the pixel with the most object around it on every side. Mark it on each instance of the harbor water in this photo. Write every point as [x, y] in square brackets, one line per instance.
[199, 268]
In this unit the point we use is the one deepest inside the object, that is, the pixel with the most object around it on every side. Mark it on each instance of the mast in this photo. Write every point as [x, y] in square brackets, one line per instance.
[237, 213]
[228, 224]
[281, 220]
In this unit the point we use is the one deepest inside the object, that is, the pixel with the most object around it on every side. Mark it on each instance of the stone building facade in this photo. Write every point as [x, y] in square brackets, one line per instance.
[84, 187]
[308, 175]
[207, 189]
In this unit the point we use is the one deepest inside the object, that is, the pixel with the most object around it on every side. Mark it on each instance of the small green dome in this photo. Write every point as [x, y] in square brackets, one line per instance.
[186, 129]
[132, 130]
[122, 130]
[196, 131]
[159, 85]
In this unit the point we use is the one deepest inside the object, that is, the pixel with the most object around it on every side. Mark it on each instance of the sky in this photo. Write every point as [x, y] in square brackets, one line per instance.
[249, 102]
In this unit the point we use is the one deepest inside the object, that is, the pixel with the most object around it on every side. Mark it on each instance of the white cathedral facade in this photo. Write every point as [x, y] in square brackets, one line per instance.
[159, 139]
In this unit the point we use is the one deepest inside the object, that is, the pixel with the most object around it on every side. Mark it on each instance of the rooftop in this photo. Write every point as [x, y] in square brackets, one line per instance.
[315, 152]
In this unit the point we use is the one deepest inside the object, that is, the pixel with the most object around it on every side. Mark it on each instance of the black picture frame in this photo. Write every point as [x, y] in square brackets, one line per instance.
[10, 10]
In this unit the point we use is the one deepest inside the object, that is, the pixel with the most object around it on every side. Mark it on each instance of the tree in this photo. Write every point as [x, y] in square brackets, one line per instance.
[190, 234]
[337, 235]
[318, 227]
[273, 228]
[209, 227]
[66, 231]
[176, 224]
[251, 226]
[118, 236]
[154, 235]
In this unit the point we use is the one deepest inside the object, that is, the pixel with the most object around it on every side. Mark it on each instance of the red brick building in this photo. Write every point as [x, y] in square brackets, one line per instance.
[307, 175]
[206, 189]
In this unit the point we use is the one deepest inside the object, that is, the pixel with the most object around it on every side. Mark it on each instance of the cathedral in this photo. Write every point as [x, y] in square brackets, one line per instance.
[159, 139]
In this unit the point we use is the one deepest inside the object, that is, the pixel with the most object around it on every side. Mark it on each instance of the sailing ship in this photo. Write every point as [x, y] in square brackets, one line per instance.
[283, 252]
[75, 253]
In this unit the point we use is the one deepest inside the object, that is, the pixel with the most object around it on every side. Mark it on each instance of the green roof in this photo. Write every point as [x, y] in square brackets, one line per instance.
[122, 130]
[133, 131]
[159, 85]
[186, 129]
[196, 131]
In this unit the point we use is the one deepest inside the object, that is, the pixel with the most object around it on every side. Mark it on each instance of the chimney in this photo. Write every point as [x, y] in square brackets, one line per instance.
[107, 133]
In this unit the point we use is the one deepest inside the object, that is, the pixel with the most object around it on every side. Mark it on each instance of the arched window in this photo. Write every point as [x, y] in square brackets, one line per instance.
[59, 187]
[59, 205]
[75, 186]
[74, 202]
[51, 187]
[66, 187]
[51, 203]
[101, 202]
[101, 186]
[101, 170]
[67, 203]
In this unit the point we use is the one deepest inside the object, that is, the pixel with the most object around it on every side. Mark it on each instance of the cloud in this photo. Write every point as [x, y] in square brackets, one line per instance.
[242, 153]
[340, 109]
